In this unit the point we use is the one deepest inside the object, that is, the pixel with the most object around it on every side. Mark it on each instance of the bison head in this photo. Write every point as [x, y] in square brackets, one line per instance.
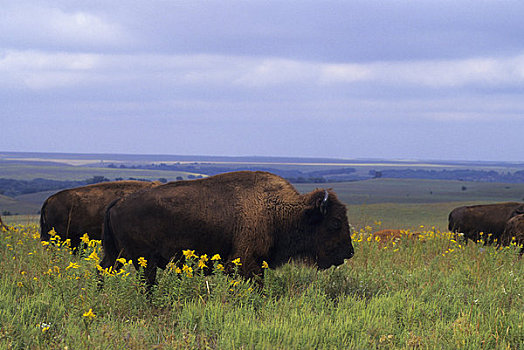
[327, 229]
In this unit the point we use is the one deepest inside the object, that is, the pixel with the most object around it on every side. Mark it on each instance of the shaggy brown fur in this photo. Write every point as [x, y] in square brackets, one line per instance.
[254, 216]
[488, 218]
[80, 210]
[393, 235]
[514, 228]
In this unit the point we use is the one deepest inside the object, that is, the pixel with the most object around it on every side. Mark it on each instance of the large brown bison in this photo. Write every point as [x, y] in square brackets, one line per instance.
[254, 216]
[76, 211]
[514, 230]
[488, 218]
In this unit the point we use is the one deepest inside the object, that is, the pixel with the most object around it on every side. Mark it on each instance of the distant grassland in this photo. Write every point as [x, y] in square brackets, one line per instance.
[419, 191]
[409, 203]
[66, 172]
[396, 203]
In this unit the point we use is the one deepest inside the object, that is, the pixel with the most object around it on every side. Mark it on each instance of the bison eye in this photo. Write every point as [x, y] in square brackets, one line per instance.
[334, 225]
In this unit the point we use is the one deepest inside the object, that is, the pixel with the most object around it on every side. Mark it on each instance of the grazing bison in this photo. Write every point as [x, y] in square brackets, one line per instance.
[254, 216]
[514, 228]
[488, 218]
[80, 210]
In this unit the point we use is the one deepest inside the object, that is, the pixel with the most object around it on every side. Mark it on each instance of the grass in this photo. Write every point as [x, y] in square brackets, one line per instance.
[19, 171]
[427, 293]
[411, 191]
[403, 215]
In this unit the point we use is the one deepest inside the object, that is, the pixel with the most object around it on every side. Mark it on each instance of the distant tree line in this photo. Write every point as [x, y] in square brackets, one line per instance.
[293, 175]
[460, 175]
[13, 188]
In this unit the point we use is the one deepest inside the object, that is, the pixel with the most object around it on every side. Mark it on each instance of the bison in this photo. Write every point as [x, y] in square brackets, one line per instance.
[254, 216]
[76, 211]
[488, 218]
[514, 230]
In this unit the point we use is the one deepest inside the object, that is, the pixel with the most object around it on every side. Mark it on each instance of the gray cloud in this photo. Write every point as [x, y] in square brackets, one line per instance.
[263, 77]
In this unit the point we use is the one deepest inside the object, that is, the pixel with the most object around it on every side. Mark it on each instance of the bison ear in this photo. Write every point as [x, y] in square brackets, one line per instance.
[318, 206]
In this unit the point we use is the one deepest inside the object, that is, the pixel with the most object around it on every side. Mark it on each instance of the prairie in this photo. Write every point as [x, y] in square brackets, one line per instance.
[431, 292]
[428, 293]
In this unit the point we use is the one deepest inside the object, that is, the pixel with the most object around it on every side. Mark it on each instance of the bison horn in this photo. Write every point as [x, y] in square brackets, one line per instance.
[323, 205]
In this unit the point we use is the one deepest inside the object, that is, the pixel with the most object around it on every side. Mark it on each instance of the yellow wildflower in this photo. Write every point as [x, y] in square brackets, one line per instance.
[220, 267]
[188, 270]
[89, 314]
[265, 265]
[72, 265]
[237, 262]
[142, 262]
[94, 243]
[85, 238]
[216, 257]
[122, 261]
[234, 283]
[52, 233]
[92, 256]
[189, 253]
[201, 264]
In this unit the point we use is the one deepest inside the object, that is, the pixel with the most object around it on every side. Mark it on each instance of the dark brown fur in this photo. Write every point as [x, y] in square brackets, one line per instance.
[514, 228]
[489, 219]
[80, 210]
[254, 216]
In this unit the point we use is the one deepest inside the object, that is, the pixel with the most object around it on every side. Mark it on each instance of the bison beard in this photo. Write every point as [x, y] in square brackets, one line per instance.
[254, 216]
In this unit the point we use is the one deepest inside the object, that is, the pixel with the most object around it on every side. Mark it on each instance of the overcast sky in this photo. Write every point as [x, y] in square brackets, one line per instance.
[345, 79]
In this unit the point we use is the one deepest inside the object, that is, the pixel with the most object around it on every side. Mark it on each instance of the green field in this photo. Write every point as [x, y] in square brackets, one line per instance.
[426, 293]
[420, 191]
[397, 203]
[409, 203]
[19, 171]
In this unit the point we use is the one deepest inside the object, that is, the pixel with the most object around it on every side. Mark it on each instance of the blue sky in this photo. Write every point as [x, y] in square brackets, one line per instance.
[345, 79]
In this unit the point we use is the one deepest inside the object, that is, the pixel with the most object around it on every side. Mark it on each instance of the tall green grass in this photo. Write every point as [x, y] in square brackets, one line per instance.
[426, 293]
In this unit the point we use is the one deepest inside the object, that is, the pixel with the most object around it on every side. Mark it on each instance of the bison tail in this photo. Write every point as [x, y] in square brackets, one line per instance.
[108, 240]
[44, 224]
